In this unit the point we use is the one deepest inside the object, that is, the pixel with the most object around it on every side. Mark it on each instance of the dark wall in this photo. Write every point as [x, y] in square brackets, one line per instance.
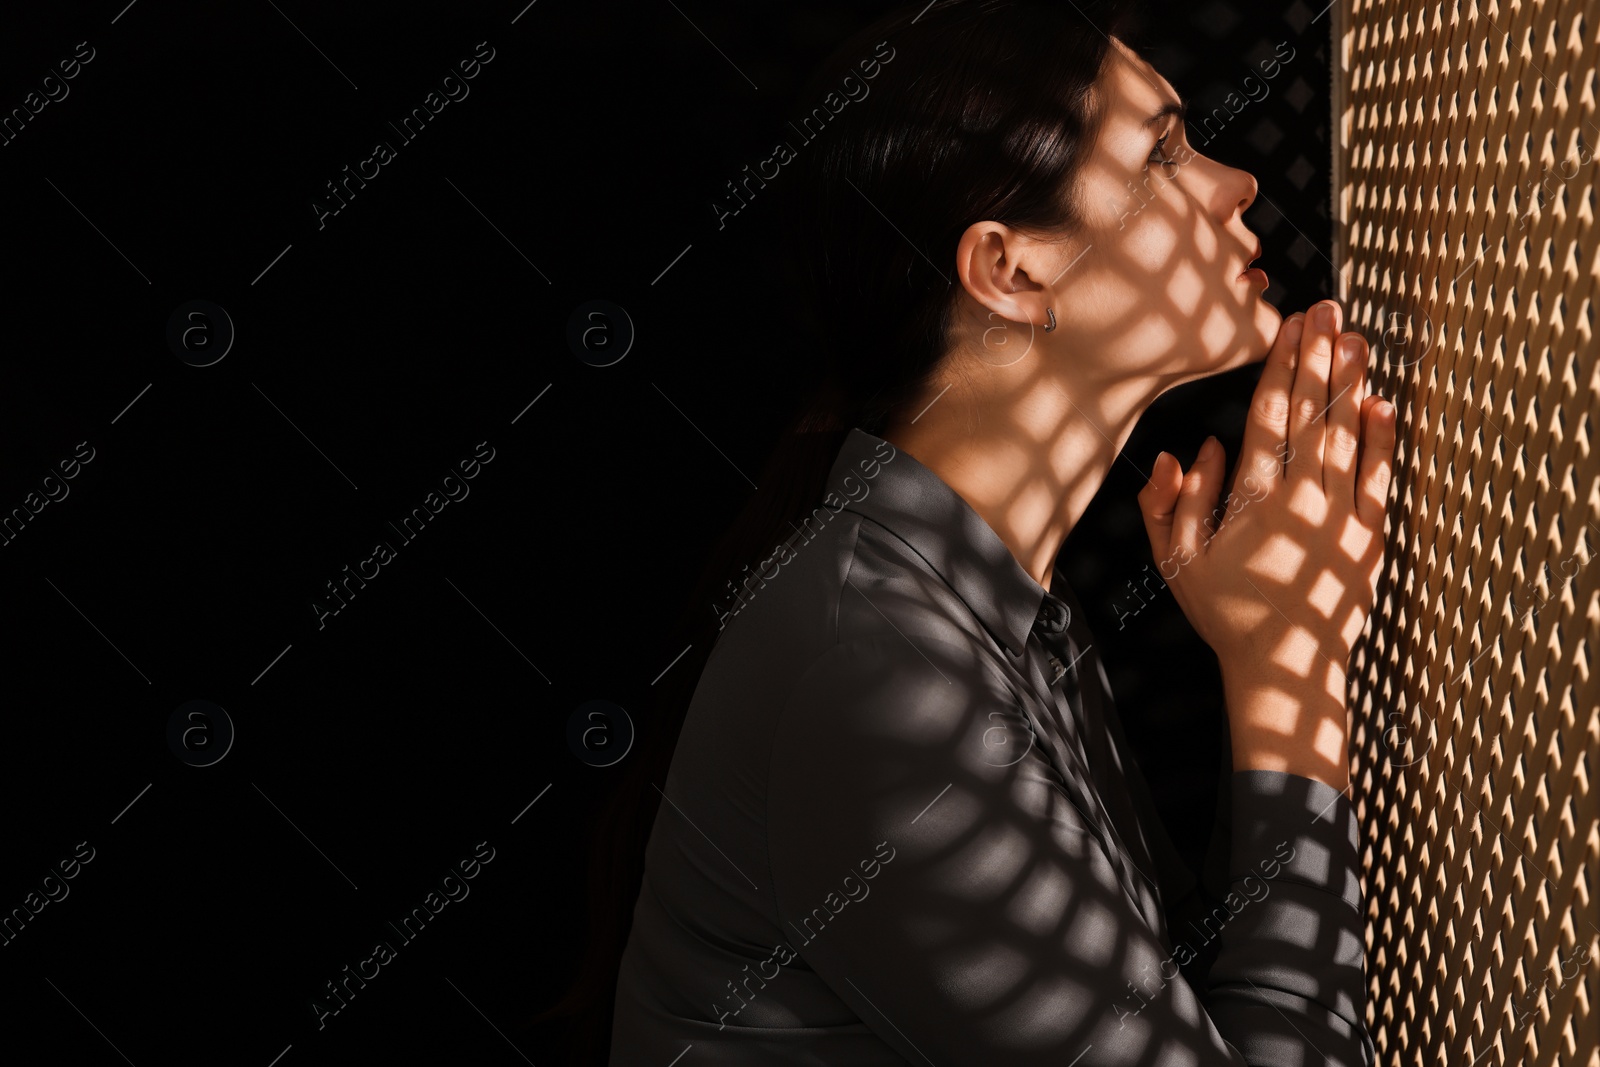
[347, 760]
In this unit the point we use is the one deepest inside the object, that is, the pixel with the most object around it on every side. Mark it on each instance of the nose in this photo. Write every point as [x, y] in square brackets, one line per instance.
[1224, 191]
[1244, 185]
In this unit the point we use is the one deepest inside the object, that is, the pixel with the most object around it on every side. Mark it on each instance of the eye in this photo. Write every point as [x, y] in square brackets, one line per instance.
[1157, 156]
[1169, 166]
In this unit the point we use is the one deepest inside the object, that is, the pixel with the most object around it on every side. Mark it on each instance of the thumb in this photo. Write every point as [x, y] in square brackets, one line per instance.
[1158, 502]
[1197, 498]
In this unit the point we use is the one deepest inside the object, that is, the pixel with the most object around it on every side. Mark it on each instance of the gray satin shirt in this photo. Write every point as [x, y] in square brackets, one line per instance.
[903, 825]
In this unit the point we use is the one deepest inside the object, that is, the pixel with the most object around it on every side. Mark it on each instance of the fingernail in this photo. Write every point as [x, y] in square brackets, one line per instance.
[1323, 314]
[1208, 449]
[1294, 328]
[1385, 409]
[1350, 347]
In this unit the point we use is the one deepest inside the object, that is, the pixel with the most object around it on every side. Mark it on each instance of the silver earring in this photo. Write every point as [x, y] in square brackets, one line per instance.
[1050, 312]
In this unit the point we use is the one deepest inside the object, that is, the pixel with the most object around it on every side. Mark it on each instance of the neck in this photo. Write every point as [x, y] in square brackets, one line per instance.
[1028, 466]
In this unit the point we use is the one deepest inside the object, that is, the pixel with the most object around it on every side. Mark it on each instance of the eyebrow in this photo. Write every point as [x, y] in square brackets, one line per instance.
[1180, 109]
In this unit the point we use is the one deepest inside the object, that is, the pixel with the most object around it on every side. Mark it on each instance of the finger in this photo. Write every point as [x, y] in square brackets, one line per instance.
[1156, 501]
[1342, 440]
[1198, 499]
[1267, 427]
[1308, 397]
[1377, 462]
[1367, 399]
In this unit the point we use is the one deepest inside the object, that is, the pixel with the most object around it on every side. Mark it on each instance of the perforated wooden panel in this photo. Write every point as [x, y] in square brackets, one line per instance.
[1465, 200]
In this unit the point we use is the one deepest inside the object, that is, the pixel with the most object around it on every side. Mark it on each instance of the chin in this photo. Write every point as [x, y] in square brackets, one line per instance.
[1265, 330]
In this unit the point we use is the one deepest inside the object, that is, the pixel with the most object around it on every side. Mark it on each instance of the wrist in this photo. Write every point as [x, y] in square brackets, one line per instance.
[1296, 670]
[1280, 722]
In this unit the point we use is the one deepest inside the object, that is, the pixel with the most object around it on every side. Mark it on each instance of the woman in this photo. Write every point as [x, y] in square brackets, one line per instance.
[902, 823]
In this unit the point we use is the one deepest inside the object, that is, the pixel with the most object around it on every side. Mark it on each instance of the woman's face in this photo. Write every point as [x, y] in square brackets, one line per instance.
[1153, 283]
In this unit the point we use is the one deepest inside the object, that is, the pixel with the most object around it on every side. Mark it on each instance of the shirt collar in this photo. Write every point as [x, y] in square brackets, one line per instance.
[916, 505]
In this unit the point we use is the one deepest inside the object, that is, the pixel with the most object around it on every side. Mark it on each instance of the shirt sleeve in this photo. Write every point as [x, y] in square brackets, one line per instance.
[1265, 806]
[931, 866]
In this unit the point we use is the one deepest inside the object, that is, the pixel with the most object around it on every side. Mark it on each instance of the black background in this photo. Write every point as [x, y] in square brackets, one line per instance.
[371, 356]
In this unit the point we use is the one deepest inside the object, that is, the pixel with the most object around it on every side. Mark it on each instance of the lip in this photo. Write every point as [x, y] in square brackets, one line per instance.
[1253, 257]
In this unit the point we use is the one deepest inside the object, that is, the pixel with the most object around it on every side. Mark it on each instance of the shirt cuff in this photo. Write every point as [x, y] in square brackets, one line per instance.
[1304, 828]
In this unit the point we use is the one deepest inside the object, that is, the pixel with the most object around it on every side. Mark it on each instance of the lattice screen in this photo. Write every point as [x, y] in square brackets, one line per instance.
[1465, 198]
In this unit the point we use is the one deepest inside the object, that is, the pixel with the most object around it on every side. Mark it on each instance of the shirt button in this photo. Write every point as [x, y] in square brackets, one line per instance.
[1052, 617]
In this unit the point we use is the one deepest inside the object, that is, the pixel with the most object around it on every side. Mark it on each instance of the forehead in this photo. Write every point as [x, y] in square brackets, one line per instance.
[1134, 89]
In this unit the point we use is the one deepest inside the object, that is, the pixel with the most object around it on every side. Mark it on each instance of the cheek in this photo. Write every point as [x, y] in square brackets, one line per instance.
[1267, 321]
[1220, 332]
[1186, 287]
[1138, 241]
[1105, 282]
[1157, 239]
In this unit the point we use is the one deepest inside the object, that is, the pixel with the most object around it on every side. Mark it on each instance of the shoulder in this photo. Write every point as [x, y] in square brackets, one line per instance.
[875, 726]
[881, 676]
[906, 662]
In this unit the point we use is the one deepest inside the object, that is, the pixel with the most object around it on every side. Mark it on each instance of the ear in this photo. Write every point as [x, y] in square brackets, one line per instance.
[1005, 272]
